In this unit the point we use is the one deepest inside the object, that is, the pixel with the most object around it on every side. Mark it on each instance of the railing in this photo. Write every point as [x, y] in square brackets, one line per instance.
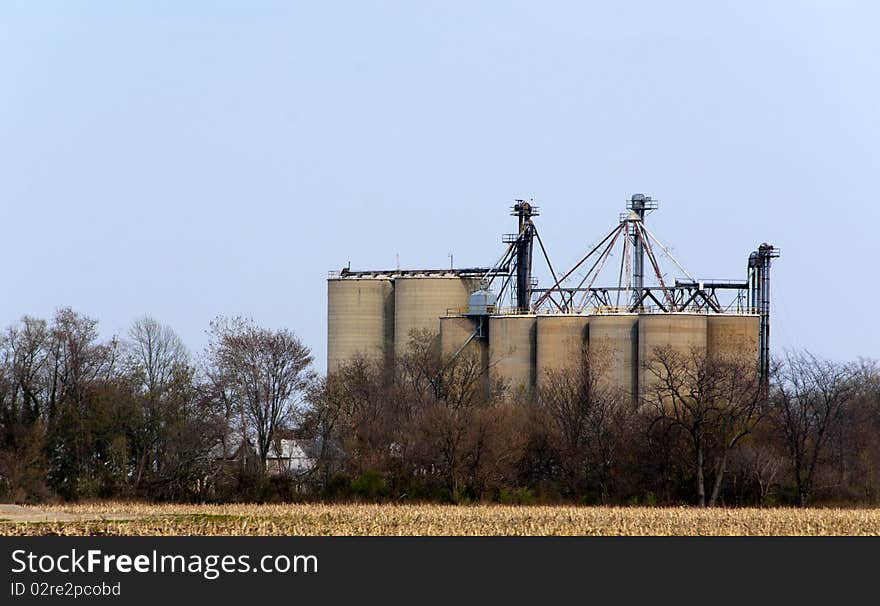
[459, 272]
[605, 310]
[491, 310]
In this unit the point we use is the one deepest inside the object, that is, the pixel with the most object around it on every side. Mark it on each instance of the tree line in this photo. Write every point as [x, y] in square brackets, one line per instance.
[703, 431]
[141, 417]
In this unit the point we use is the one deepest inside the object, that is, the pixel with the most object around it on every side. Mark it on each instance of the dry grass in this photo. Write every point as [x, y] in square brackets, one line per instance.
[115, 518]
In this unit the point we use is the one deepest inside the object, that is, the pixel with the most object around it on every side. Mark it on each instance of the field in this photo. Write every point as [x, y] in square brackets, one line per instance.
[117, 518]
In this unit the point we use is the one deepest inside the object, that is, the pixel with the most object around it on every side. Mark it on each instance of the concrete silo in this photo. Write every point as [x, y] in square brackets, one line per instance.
[734, 338]
[420, 302]
[561, 344]
[614, 351]
[459, 336]
[512, 350]
[682, 334]
[360, 319]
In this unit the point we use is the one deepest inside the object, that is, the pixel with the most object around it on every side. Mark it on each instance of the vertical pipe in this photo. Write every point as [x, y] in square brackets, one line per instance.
[524, 249]
[753, 282]
[765, 316]
[751, 294]
[637, 203]
[759, 284]
[638, 269]
[759, 307]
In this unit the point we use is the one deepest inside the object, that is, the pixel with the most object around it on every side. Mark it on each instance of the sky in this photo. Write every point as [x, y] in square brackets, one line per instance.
[193, 159]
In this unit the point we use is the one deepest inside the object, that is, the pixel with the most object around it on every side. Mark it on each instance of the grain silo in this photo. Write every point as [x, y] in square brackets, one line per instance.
[561, 344]
[614, 351]
[421, 300]
[512, 350]
[677, 338]
[462, 335]
[360, 318]
[733, 338]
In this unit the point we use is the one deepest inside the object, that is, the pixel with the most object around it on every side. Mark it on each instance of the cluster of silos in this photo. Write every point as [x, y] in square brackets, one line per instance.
[375, 314]
[522, 350]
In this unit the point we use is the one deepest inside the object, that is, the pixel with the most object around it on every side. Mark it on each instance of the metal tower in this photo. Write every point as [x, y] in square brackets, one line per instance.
[524, 248]
[759, 289]
[641, 205]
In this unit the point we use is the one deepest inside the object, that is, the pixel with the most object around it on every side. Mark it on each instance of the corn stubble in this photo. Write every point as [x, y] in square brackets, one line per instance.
[394, 520]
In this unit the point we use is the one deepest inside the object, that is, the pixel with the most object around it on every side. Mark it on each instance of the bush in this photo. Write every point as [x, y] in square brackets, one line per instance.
[369, 486]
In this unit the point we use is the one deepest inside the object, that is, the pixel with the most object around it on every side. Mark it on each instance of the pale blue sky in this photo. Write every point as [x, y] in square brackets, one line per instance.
[190, 159]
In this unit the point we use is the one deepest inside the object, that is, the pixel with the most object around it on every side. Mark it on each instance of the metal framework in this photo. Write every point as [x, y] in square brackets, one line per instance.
[525, 243]
[641, 205]
[631, 294]
[751, 296]
[515, 266]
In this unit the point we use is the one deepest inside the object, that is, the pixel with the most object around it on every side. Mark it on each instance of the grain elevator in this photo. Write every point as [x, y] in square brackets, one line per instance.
[520, 332]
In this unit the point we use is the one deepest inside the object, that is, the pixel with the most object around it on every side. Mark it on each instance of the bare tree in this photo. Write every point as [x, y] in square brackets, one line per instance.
[715, 403]
[591, 419]
[761, 464]
[155, 353]
[79, 364]
[571, 398]
[458, 428]
[810, 396]
[268, 370]
[458, 380]
[27, 348]
[358, 409]
[157, 362]
[77, 356]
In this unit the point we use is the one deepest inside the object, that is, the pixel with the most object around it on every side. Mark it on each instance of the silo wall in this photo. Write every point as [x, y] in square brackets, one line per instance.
[614, 352]
[682, 335]
[512, 350]
[455, 332]
[420, 302]
[561, 345]
[733, 339]
[360, 319]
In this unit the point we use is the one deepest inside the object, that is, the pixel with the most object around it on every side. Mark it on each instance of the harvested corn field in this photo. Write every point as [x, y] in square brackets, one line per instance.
[434, 520]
